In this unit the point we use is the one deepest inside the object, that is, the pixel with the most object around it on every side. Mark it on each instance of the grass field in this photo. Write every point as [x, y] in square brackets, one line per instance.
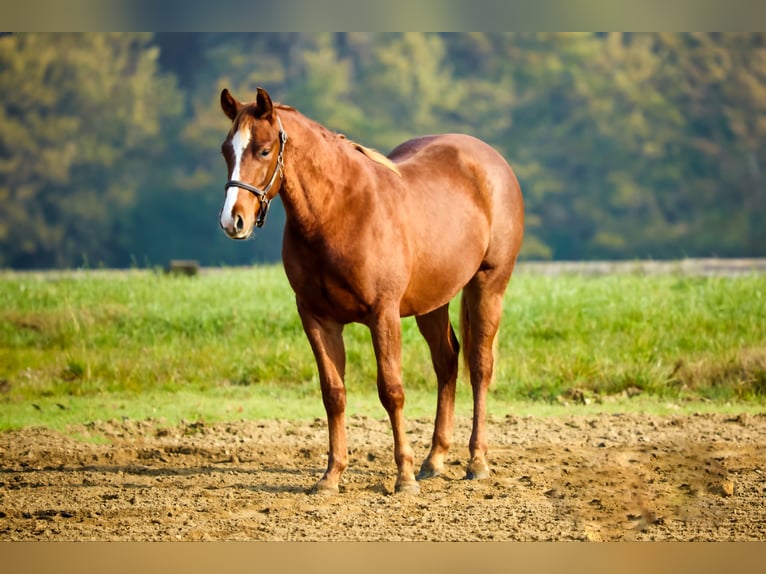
[228, 344]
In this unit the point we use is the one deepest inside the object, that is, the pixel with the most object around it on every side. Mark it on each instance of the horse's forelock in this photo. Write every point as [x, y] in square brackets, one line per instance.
[248, 115]
[244, 120]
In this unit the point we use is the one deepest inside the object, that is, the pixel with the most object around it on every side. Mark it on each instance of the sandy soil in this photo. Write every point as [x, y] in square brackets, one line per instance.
[606, 477]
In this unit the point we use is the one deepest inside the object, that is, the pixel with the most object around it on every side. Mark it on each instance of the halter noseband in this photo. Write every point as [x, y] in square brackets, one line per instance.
[263, 194]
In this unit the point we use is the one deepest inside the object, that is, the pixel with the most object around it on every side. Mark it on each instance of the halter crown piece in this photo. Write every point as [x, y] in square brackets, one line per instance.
[263, 194]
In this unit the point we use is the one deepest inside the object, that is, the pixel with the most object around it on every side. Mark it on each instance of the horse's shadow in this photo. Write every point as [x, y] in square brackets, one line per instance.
[299, 486]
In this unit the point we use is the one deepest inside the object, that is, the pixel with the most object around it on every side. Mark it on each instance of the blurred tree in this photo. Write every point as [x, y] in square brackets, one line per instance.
[80, 117]
[626, 145]
[598, 153]
[407, 87]
[723, 90]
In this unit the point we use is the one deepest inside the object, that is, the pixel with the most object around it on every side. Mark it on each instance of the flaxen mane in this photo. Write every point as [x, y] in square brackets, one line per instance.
[373, 154]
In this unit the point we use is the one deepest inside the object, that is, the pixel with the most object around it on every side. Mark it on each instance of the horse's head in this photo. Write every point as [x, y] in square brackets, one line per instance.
[253, 152]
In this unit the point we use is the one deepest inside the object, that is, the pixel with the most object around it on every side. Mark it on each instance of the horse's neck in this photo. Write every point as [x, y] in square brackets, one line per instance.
[312, 168]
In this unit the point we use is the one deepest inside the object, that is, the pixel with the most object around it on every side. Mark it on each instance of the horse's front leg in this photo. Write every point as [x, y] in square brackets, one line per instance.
[387, 339]
[326, 339]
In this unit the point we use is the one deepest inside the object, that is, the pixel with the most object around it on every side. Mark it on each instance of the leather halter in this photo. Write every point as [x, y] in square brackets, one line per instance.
[263, 194]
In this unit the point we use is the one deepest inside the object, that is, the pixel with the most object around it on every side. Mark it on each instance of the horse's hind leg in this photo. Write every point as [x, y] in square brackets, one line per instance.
[482, 307]
[437, 331]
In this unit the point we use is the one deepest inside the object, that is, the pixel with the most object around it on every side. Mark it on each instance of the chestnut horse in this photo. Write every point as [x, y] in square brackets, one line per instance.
[371, 239]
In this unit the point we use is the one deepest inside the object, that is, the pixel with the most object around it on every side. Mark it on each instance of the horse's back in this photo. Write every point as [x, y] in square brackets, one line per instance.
[461, 159]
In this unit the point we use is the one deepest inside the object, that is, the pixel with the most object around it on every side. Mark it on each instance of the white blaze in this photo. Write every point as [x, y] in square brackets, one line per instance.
[240, 142]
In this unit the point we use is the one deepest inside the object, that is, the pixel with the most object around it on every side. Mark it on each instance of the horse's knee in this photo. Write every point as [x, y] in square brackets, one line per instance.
[481, 361]
[391, 396]
[334, 399]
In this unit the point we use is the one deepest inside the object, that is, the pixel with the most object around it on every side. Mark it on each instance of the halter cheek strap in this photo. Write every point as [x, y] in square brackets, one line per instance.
[263, 194]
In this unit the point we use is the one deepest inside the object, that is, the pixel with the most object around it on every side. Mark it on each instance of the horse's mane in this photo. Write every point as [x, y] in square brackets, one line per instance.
[373, 154]
[370, 153]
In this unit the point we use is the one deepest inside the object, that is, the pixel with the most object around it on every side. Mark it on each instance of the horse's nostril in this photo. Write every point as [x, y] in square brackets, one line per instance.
[239, 223]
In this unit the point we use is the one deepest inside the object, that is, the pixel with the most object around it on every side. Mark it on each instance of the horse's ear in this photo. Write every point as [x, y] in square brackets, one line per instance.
[229, 104]
[263, 105]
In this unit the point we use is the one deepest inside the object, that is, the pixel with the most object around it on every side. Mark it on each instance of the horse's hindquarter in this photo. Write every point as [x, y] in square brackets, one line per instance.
[463, 210]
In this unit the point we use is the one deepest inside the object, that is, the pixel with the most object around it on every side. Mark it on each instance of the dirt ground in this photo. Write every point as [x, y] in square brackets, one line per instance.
[606, 477]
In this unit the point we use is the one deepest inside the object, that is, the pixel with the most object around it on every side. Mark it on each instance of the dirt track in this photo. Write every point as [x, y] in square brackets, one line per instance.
[607, 477]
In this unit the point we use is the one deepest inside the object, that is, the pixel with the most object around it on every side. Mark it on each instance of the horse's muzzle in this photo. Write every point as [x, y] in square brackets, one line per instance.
[236, 227]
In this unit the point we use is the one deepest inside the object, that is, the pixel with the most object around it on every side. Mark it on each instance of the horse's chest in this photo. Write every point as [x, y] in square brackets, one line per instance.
[327, 290]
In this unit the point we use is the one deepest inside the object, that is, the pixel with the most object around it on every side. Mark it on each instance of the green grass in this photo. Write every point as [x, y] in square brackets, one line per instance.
[228, 345]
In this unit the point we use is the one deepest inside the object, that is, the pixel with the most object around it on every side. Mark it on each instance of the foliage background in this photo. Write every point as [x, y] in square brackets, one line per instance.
[626, 145]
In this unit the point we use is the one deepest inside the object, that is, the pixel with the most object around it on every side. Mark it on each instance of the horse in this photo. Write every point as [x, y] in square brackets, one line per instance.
[370, 239]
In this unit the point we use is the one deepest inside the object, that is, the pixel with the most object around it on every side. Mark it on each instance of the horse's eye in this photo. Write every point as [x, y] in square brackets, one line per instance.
[265, 152]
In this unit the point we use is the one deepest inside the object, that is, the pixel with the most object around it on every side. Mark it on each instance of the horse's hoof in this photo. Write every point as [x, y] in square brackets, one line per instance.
[409, 487]
[477, 470]
[428, 470]
[323, 487]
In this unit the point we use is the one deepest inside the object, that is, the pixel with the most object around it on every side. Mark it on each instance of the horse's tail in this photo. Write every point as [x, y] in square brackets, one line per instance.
[466, 345]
